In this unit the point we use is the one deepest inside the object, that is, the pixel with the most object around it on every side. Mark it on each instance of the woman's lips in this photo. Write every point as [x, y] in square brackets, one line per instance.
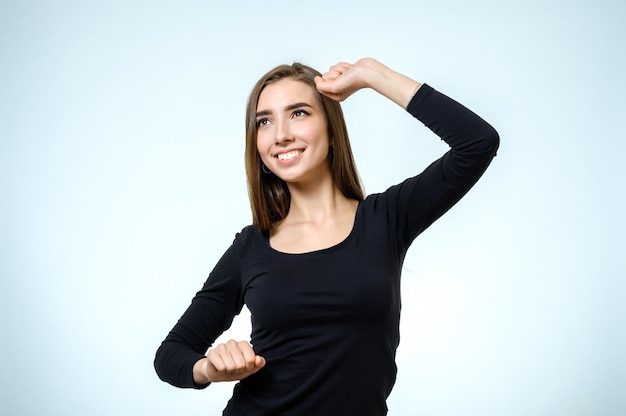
[288, 155]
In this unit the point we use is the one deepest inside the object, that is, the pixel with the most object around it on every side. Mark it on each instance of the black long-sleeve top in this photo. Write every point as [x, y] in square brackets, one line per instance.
[327, 321]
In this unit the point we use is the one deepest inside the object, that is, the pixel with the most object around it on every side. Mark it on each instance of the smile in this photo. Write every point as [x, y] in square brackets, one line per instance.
[289, 155]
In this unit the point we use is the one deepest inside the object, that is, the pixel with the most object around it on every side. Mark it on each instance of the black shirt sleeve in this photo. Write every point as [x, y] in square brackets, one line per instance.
[211, 312]
[420, 200]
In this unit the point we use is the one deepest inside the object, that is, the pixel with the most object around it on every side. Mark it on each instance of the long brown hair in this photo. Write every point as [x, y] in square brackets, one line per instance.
[269, 196]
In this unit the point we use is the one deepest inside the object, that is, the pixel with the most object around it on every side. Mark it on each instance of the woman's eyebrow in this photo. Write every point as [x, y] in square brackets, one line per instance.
[288, 108]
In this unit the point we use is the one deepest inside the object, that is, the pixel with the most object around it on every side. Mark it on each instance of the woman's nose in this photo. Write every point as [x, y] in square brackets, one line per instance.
[283, 133]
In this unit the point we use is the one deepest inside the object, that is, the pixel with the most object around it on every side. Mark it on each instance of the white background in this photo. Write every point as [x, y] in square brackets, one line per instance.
[122, 182]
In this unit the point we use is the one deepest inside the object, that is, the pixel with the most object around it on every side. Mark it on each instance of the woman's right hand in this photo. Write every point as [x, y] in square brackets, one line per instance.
[230, 361]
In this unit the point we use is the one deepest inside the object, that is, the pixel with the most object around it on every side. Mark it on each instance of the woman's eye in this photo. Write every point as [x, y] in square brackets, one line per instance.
[299, 113]
[262, 122]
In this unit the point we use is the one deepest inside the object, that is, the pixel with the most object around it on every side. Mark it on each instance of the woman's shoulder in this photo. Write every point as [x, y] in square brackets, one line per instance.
[388, 201]
[246, 234]
[246, 241]
[378, 200]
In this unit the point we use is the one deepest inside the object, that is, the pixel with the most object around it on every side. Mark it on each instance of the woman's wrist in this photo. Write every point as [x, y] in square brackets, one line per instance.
[200, 373]
[393, 85]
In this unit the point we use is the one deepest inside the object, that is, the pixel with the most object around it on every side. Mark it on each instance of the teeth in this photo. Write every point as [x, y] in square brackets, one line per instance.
[288, 155]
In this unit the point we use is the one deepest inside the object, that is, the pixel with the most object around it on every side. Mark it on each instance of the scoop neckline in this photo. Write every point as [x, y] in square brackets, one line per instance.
[266, 237]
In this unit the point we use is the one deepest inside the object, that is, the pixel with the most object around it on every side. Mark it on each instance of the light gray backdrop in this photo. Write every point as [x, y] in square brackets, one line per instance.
[122, 182]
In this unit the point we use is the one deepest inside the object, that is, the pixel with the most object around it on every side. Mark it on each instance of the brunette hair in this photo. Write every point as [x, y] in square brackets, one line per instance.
[269, 196]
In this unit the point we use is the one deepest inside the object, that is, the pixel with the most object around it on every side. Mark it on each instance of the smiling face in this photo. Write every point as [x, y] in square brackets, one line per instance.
[292, 132]
[270, 196]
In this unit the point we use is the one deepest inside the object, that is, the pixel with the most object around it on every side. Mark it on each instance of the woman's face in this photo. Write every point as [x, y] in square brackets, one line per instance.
[292, 132]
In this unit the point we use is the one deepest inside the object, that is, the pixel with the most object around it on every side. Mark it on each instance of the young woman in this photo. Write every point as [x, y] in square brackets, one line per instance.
[320, 267]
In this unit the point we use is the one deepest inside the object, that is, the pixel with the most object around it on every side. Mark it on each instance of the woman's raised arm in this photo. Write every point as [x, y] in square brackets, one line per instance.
[344, 79]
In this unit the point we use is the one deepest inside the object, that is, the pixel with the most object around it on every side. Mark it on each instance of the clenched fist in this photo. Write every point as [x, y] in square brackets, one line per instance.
[232, 360]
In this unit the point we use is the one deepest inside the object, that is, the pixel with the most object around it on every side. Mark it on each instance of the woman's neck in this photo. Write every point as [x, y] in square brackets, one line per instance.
[316, 201]
[319, 217]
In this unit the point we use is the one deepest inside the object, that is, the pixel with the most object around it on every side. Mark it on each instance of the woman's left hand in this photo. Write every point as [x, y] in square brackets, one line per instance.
[344, 79]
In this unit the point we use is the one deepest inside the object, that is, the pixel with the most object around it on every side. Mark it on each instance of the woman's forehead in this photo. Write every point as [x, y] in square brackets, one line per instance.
[285, 92]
